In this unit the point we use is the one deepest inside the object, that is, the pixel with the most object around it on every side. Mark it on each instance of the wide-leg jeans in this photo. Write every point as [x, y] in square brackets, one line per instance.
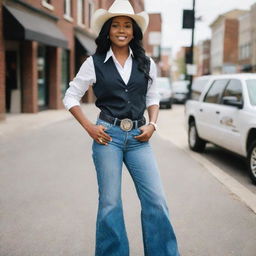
[111, 237]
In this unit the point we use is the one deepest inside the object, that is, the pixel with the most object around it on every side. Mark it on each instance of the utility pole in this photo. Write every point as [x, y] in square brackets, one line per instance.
[192, 49]
[189, 23]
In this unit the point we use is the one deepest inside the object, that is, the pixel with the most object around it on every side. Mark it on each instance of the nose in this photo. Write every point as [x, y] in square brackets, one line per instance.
[121, 29]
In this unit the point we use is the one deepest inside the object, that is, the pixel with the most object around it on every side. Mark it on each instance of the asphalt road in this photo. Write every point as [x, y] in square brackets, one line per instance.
[48, 198]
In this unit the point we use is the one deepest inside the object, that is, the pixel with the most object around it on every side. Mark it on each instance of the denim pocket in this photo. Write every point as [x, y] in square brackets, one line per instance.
[107, 125]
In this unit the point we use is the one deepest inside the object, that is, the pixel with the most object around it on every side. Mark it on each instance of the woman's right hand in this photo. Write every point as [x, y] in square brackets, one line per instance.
[97, 132]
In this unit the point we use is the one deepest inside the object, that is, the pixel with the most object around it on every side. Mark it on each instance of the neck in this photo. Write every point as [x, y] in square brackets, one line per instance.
[120, 51]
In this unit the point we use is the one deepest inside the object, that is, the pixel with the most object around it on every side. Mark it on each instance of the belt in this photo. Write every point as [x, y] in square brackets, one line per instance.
[125, 124]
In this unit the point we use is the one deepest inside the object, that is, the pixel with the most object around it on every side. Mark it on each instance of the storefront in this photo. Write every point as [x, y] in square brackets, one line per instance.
[84, 46]
[33, 48]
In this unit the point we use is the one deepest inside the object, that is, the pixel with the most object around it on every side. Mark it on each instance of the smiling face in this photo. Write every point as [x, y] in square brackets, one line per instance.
[121, 31]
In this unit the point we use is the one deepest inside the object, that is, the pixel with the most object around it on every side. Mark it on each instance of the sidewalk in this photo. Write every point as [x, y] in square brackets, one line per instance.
[16, 124]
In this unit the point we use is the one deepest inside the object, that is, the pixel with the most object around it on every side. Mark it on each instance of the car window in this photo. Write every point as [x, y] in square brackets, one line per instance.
[234, 88]
[197, 88]
[163, 83]
[180, 86]
[214, 93]
[251, 86]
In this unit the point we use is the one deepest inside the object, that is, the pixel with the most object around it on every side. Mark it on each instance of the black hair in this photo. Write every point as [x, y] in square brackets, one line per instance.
[103, 45]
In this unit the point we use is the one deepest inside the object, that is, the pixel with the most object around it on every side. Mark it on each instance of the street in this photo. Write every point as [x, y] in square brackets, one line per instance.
[48, 191]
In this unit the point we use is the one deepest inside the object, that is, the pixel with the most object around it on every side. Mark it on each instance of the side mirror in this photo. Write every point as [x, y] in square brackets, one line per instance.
[232, 101]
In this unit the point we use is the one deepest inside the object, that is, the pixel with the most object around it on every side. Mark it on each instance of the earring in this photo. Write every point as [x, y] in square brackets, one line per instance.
[107, 36]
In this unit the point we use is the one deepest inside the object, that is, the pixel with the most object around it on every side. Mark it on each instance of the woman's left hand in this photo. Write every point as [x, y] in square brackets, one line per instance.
[147, 131]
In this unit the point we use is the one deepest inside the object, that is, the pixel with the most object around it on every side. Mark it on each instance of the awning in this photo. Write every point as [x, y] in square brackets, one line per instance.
[87, 42]
[26, 25]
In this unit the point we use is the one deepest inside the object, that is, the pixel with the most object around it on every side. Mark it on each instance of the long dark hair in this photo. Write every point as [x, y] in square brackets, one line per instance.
[103, 45]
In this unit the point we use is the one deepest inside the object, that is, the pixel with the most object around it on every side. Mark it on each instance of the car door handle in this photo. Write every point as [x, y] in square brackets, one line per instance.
[217, 112]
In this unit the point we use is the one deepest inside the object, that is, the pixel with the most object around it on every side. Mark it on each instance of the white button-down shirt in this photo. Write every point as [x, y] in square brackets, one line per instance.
[86, 76]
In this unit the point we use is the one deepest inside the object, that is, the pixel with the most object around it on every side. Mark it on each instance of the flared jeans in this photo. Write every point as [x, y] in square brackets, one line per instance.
[111, 237]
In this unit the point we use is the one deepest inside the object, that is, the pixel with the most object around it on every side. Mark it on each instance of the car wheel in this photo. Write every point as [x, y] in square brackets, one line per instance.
[168, 105]
[195, 142]
[251, 161]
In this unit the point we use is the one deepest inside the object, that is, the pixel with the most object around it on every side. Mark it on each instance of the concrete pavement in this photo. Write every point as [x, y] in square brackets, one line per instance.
[48, 192]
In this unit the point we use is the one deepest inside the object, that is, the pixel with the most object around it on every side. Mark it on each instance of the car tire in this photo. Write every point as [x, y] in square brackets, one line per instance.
[195, 142]
[251, 161]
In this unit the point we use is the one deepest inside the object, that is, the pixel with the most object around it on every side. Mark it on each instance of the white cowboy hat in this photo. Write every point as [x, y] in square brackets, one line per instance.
[118, 8]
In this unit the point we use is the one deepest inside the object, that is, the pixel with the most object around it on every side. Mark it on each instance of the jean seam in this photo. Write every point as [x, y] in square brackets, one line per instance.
[144, 237]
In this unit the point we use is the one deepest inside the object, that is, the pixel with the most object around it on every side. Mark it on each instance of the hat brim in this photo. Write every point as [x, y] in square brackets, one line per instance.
[101, 16]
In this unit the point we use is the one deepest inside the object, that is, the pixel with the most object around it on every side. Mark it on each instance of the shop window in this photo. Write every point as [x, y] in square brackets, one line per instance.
[42, 77]
[80, 12]
[65, 71]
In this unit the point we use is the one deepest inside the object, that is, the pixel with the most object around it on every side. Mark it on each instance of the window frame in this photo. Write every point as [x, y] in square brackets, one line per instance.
[68, 15]
[47, 5]
[90, 7]
[220, 95]
[81, 16]
[232, 79]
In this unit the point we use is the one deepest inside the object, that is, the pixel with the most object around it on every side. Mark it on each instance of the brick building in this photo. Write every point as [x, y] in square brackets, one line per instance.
[203, 57]
[42, 45]
[165, 63]
[152, 37]
[224, 42]
[244, 43]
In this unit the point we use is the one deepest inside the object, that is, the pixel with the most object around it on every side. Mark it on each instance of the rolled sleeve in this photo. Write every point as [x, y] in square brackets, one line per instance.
[152, 96]
[80, 84]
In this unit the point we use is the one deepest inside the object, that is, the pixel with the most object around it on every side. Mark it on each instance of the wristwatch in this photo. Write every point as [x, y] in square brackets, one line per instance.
[154, 124]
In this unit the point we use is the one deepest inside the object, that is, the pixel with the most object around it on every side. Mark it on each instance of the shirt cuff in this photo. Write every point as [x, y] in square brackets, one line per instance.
[152, 102]
[70, 102]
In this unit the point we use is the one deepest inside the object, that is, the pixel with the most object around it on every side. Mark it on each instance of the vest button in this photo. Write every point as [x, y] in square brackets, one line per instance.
[128, 102]
[126, 90]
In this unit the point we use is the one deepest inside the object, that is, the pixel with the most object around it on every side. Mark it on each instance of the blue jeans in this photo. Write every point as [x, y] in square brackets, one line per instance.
[111, 237]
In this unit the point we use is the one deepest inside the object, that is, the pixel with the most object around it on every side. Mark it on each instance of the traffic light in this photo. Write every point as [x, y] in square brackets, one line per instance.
[188, 19]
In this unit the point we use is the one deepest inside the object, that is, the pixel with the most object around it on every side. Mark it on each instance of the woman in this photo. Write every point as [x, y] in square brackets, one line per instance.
[123, 81]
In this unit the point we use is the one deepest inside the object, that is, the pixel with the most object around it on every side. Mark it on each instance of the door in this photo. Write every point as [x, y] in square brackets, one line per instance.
[12, 91]
[229, 118]
[209, 111]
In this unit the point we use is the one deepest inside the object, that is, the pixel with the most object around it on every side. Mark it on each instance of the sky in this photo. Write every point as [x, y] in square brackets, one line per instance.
[172, 33]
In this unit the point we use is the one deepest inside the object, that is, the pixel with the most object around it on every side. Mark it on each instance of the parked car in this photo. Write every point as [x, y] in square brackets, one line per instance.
[223, 111]
[180, 91]
[165, 91]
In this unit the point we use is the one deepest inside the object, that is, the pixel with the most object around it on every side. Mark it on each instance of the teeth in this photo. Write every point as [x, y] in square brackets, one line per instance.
[121, 38]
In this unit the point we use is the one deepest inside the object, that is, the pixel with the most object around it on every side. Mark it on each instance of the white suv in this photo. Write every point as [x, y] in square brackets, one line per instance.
[222, 110]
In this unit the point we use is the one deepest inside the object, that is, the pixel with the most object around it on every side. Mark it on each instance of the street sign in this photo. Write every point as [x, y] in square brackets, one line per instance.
[188, 19]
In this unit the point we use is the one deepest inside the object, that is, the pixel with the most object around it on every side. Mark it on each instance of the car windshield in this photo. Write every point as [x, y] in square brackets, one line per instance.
[251, 86]
[163, 83]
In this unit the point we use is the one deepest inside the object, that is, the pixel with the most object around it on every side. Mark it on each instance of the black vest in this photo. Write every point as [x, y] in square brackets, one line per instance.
[114, 97]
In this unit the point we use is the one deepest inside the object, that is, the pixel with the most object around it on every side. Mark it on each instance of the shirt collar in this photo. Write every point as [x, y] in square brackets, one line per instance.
[111, 54]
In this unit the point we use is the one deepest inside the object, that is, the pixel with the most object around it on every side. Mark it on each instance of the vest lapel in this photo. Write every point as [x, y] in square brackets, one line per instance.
[115, 70]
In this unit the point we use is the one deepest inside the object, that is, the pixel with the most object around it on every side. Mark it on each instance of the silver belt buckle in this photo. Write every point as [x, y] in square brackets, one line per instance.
[126, 124]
